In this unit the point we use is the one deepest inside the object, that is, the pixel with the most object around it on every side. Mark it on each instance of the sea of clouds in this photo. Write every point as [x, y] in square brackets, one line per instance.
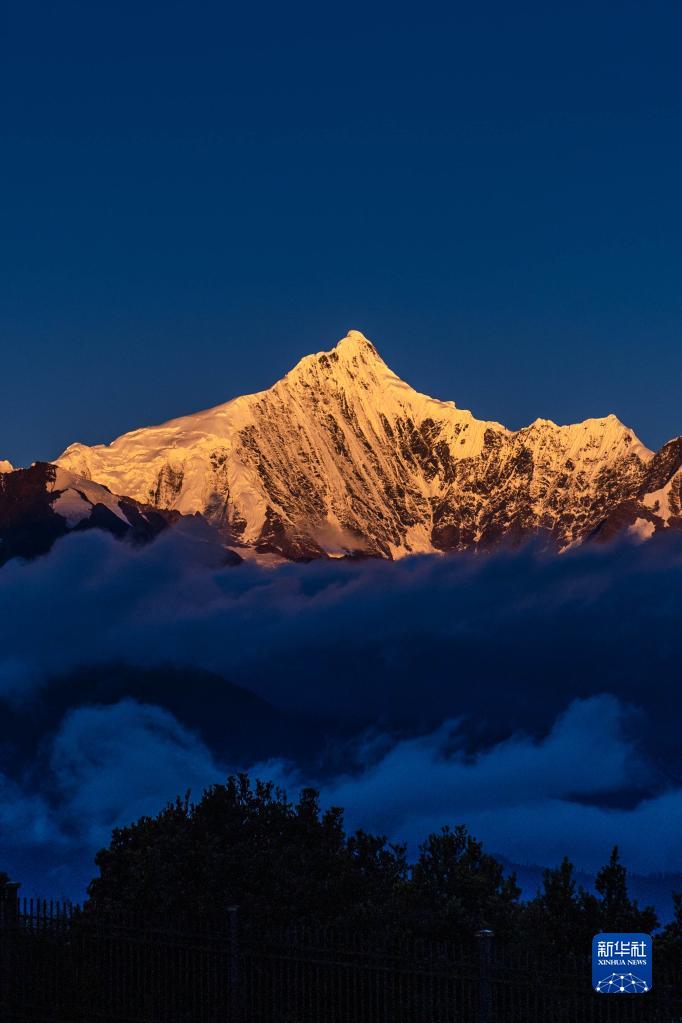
[535, 699]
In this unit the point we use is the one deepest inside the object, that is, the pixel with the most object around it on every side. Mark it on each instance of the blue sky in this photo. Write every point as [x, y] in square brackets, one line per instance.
[194, 196]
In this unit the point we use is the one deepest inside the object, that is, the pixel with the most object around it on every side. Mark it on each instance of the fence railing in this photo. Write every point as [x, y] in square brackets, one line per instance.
[59, 964]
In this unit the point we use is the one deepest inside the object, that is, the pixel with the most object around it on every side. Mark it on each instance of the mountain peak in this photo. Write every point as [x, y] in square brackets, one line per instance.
[341, 455]
[354, 354]
[357, 340]
[356, 344]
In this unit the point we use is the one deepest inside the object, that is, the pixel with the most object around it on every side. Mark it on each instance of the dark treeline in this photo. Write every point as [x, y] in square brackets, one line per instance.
[246, 844]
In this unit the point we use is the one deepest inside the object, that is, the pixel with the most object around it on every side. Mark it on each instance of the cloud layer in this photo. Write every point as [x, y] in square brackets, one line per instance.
[536, 700]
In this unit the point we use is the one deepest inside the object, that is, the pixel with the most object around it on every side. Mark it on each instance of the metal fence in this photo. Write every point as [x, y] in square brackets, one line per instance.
[60, 965]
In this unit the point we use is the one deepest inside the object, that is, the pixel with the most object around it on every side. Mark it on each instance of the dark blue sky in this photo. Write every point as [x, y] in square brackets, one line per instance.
[195, 195]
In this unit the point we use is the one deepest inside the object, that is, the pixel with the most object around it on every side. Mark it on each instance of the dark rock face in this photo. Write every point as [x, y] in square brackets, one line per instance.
[31, 519]
[167, 486]
[28, 526]
[657, 503]
[663, 466]
[275, 538]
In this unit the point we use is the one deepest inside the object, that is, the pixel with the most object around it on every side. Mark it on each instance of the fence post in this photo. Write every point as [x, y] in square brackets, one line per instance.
[233, 931]
[484, 950]
[9, 921]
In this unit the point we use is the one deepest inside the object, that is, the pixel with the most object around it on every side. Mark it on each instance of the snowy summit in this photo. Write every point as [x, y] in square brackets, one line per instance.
[341, 456]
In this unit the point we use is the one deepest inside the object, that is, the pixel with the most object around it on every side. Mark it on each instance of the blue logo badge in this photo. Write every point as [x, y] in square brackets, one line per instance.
[621, 964]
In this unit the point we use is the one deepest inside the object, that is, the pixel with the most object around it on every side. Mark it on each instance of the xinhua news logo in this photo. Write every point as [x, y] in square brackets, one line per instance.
[621, 964]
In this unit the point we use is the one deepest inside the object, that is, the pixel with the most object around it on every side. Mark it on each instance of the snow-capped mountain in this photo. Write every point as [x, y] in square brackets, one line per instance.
[41, 504]
[341, 456]
[657, 504]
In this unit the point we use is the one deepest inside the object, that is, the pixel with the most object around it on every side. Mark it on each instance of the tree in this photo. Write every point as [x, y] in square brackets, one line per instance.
[616, 911]
[245, 844]
[456, 888]
[559, 917]
[669, 942]
[248, 846]
[566, 918]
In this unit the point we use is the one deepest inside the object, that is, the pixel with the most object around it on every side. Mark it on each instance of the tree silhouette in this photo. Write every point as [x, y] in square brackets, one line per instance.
[566, 917]
[456, 888]
[669, 943]
[616, 911]
[558, 915]
[247, 845]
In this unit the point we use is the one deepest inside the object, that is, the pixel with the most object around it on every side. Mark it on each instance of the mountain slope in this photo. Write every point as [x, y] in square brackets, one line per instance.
[341, 456]
[41, 504]
[656, 505]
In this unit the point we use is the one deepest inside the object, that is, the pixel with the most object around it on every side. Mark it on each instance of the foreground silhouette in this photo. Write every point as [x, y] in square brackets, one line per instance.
[245, 906]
